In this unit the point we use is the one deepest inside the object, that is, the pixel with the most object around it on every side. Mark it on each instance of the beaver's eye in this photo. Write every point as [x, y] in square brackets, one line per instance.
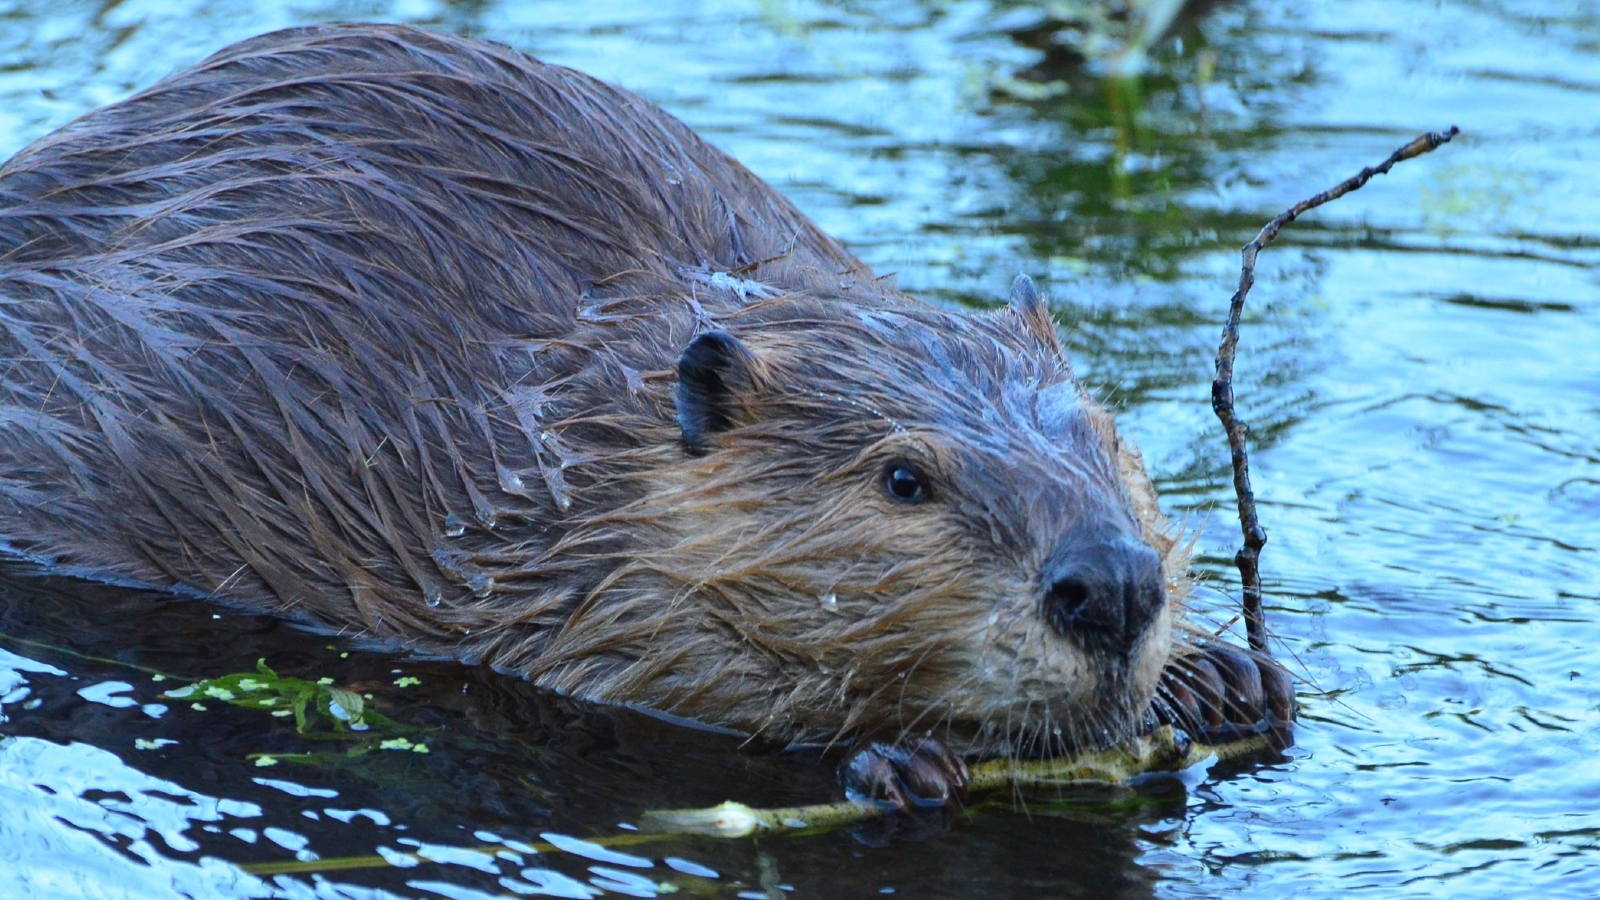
[905, 483]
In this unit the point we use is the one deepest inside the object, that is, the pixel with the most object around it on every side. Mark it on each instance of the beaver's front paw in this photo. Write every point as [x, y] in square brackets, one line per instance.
[1223, 693]
[920, 773]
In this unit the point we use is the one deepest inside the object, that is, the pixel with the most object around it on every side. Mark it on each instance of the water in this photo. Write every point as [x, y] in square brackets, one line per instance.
[1419, 363]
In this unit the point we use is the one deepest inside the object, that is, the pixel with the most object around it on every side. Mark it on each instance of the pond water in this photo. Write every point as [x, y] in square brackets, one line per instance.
[1421, 364]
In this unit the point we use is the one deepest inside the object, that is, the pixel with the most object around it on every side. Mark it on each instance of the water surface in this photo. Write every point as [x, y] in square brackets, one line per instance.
[1419, 363]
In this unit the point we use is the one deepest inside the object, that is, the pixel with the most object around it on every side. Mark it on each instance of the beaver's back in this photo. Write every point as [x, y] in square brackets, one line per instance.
[276, 323]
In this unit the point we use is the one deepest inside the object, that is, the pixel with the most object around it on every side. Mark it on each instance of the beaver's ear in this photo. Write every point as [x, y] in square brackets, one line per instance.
[717, 381]
[1035, 316]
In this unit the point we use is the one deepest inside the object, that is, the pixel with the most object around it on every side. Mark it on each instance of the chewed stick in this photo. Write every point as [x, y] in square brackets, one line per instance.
[1255, 537]
[1161, 750]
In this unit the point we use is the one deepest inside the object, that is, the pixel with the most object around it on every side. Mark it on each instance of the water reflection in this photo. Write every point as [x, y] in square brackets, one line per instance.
[1419, 366]
[1127, 183]
[514, 785]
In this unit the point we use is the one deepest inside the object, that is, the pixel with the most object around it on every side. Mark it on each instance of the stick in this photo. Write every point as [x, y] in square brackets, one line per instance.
[375, 861]
[1159, 751]
[1255, 537]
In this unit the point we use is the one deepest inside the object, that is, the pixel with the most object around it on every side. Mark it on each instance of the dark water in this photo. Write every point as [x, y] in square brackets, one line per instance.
[1421, 364]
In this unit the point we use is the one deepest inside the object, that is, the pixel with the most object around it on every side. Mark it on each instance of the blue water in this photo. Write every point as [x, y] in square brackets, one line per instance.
[1419, 363]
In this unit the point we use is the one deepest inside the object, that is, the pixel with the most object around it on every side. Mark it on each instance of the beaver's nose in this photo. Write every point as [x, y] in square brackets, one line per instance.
[1104, 593]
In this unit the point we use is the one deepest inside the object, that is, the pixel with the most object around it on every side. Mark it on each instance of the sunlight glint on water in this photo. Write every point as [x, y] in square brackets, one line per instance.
[1420, 368]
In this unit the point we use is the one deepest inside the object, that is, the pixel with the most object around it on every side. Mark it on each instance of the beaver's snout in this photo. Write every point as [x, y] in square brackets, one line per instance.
[1104, 593]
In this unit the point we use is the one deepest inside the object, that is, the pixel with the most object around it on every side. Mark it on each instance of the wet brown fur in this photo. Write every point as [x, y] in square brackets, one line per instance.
[377, 328]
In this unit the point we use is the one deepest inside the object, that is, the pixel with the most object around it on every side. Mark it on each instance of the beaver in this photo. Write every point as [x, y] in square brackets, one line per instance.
[413, 337]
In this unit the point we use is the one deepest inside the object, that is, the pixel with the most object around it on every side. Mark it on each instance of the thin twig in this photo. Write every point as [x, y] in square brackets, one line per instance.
[407, 860]
[1255, 537]
[56, 648]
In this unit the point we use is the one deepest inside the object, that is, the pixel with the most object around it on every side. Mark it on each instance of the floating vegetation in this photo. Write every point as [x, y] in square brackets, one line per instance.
[309, 702]
[321, 711]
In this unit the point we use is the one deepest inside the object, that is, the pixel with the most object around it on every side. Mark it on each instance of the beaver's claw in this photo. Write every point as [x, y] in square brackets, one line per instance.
[1223, 693]
[921, 773]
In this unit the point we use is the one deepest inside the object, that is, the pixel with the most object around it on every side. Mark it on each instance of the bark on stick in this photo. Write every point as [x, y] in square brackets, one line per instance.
[1255, 537]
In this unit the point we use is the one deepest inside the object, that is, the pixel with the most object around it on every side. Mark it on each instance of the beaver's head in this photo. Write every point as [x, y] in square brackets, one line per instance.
[893, 519]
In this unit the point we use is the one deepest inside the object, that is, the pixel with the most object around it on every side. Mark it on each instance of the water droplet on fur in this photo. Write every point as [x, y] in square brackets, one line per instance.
[431, 595]
[454, 526]
[481, 584]
[448, 562]
[483, 512]
[554, 480]
[510, 482]
[830, 601]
